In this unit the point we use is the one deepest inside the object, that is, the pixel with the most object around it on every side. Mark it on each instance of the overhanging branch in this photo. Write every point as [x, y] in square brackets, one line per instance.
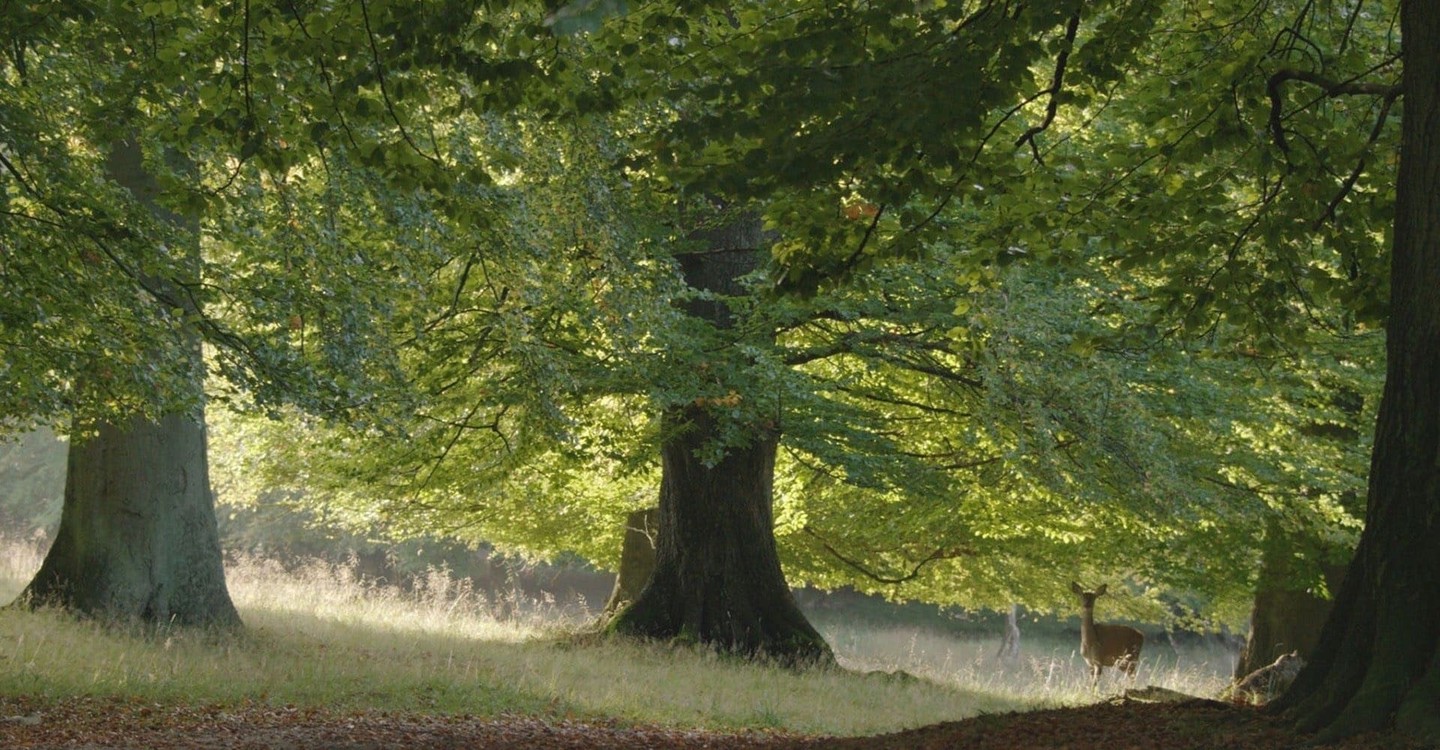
[1331, 88]
[940, 553]
[1057, 83]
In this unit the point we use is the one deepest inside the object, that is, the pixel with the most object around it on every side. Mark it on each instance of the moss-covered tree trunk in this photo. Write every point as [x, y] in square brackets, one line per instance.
[138, 539]
[717, 577]
[1378, 660]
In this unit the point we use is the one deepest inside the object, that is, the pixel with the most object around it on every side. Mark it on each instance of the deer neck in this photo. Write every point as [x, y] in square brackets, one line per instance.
[1087, 629]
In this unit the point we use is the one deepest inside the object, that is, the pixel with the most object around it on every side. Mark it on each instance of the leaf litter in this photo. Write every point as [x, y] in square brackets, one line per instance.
[94, 723]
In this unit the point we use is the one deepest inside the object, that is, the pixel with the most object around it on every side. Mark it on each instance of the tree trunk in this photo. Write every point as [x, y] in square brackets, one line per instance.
[1009, 652]
[637, 559]
[717, 577]
[138, 538]
[1378, 660]
[1286, 617]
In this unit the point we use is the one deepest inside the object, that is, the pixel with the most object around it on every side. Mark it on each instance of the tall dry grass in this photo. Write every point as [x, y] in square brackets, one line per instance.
[317, 635]
[1049, 670]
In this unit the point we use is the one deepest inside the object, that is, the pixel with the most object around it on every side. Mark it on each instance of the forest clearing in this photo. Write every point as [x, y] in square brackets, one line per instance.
[783, 373]
[329, 661]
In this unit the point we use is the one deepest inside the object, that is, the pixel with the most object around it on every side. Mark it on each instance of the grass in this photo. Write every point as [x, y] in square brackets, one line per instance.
[319, 637]
[1050, 670]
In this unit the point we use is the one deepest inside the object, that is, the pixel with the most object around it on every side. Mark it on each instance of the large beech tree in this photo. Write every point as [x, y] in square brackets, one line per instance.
[1003, 422]
[137, 538]
[990, 440]
[141, 191]
[717, 577]
[1378, 660]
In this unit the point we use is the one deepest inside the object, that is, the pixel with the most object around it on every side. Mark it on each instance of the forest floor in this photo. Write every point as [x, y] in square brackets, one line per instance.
[96, 723]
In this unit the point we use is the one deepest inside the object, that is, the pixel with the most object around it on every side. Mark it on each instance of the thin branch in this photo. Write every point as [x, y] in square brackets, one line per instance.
[245, 65]
[1056, 84]
[327, 78]
[854, 258]
[384, 90]
[1359, 169]
[459, 431]
[893, 400]
[976, 463]
[20, 178]
[1330, 87]
[940, 553]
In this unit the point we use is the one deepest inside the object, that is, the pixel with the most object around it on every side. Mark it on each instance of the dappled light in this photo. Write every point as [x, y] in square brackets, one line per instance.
[898, 373]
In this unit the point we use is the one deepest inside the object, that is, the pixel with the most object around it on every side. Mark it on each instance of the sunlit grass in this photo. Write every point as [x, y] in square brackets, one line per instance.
[320, 637]
[1049, 671]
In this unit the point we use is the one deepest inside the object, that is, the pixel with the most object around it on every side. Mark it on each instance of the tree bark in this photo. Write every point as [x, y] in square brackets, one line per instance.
[717, 578]
[1286, 616]
[1378, 661]
[138, 540]
[637, 559]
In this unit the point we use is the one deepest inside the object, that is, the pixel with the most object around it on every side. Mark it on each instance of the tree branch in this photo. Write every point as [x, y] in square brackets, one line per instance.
[385, 90]
[1359, 169]
[939, 554]
[1056, 84]
[1331, 89]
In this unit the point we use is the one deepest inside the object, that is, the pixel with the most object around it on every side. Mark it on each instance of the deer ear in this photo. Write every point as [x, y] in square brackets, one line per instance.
[1100, 591]
[1076, 588]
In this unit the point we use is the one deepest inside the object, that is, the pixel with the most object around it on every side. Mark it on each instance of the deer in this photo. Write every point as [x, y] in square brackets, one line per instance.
[1105, 645]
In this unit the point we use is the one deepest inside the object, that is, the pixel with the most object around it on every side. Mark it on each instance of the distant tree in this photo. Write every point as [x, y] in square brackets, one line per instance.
[1009, 651]
[637, 559]
[32, 469]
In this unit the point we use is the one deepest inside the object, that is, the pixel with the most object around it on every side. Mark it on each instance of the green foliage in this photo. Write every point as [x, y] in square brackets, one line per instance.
[904, 108]
[1013, 401]
[1251, 180]
[1023, 436]
[1089, 287]
[531, 358]
[279, 137]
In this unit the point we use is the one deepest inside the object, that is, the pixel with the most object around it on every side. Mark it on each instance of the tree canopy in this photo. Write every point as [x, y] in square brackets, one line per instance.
[1042, 381]
[1059, 285]
[456, 228]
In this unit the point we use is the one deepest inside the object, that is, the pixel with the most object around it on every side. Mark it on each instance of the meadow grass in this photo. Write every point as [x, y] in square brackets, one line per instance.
[317, 636]
[1049, 671]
